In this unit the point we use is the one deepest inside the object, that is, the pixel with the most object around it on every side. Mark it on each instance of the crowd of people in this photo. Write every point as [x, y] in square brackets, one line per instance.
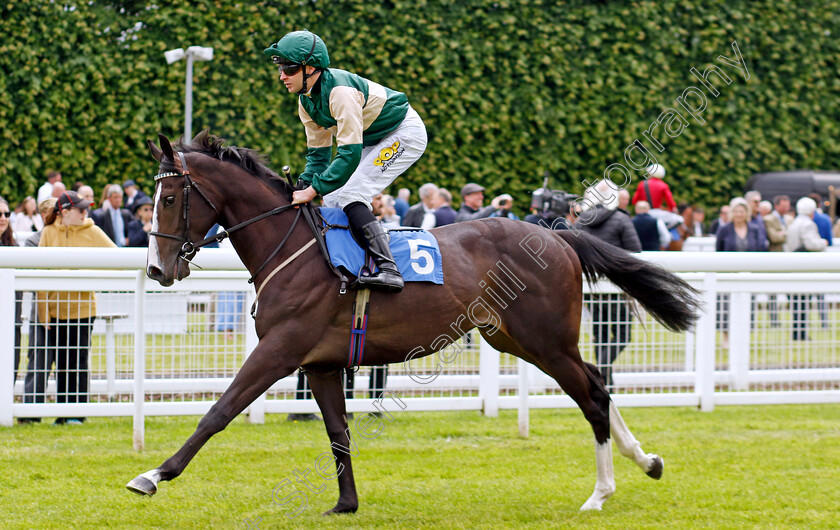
[124, 211]
[649, 219]
[61, 322]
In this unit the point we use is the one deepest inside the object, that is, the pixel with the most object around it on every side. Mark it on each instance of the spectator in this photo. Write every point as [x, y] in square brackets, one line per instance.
[422, 214]
[57, 189]
[804, 236]
[387, 215]
[7, 239]
[624, 200]
[774, 226]
[836, 231]
[44, 210]
[753, 198]
[782, 210]
[721, 221]
[40, 360]
[698, 220]
[444, 214]
[611, 324]
[68, 316]
[141, 225]
[45, 191]
[740, 235]
[401, 202]
[472, 198]
[803, 233]
[654, 190]
[132, 194]
[652, 232]
[111, 218]
[86, 193]
[504, 204]
[822, 220]
[28, 219]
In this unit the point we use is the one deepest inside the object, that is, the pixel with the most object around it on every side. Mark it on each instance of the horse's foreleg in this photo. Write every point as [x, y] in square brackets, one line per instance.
[258, 373]
[328, 392]
[629, 447]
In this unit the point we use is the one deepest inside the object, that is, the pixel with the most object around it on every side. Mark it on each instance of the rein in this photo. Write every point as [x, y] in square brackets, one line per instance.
[189, 247]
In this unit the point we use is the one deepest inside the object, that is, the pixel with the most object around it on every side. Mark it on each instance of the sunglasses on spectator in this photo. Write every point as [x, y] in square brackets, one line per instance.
[5, 214]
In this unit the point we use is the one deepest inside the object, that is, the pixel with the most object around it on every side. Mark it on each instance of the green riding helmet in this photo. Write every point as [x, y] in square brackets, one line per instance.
[301, 47]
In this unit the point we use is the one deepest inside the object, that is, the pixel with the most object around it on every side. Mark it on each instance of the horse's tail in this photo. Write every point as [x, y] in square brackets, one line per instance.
[671, 301]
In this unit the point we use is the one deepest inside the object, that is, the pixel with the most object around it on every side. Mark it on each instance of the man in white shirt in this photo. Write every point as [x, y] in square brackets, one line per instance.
[45, 191]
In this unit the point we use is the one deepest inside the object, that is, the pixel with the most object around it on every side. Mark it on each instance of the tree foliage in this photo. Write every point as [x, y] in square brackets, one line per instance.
[508, 90]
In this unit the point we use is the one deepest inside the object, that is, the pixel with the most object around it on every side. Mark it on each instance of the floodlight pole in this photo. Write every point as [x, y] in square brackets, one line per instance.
[191, 54]
[188, 101]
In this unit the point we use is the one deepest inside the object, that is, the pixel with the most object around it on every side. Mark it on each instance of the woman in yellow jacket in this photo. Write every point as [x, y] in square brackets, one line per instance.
[68, 315]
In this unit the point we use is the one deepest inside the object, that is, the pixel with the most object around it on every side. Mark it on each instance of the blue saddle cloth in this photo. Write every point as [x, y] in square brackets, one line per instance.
[416, 252]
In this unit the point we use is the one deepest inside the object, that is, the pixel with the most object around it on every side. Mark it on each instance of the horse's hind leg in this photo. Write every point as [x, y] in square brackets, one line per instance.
[328, 392]
[652, 464]
[628, 446]
[591, 396]
[586, 388]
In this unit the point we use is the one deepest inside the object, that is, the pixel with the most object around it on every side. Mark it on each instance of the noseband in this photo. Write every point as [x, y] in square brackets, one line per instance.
[189, 247]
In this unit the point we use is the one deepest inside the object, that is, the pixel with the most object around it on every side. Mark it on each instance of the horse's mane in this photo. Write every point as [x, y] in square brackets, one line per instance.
[250, 160]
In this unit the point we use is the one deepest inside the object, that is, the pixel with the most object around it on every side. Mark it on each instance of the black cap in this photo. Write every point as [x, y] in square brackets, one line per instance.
[71, 199]
[140, 202]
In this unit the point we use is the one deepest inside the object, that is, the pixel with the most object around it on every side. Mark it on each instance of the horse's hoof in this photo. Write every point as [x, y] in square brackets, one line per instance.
[338, 510]
[142, 486]
[655, 471]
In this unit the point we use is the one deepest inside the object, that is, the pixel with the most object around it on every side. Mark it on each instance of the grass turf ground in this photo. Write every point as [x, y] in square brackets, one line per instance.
[736, 467]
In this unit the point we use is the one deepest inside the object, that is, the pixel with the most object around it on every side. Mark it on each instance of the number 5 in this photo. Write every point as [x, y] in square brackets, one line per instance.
[417, 254]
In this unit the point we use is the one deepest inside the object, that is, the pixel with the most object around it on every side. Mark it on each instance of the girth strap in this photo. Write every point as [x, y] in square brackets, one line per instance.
[358, 328]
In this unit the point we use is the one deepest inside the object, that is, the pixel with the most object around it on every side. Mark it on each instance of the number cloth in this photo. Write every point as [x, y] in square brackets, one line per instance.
[416, 252]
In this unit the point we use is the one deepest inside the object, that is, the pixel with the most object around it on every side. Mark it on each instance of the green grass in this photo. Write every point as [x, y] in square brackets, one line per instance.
[738, 467]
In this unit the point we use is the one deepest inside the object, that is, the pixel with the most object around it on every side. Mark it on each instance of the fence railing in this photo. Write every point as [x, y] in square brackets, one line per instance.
[768, 336]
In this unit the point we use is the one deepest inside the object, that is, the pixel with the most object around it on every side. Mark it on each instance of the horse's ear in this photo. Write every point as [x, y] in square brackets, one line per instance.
[157, 154]
[166, 147]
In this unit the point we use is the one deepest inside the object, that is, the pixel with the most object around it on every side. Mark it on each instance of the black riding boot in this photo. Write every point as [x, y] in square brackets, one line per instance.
[388, 277]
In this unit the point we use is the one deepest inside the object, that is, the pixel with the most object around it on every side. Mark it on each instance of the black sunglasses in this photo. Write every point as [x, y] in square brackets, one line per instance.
[289, 69]
[284, 67]
[5, 214]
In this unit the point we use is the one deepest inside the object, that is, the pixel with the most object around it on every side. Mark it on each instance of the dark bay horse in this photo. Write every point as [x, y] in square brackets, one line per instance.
[519, 283]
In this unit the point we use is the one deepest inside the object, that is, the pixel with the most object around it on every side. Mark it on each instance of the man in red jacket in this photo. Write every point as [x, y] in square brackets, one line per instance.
[654, 190]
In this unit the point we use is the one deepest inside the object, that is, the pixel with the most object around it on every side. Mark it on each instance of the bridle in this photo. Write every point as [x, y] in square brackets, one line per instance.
[189, 247]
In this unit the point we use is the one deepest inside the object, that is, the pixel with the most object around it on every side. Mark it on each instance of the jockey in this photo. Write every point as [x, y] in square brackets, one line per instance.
[377, 132]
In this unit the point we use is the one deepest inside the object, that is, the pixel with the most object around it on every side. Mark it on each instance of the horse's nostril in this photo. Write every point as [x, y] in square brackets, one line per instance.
[154, 272]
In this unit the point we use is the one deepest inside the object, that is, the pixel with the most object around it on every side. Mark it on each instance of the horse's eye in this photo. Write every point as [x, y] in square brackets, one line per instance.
[169, 201]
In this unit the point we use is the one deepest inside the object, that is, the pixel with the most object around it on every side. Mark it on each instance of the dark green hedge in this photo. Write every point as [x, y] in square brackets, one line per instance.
[508, 90]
